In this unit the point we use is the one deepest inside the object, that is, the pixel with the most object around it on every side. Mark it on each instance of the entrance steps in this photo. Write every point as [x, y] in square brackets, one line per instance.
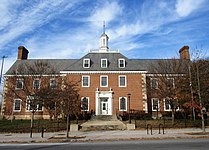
[103, 122]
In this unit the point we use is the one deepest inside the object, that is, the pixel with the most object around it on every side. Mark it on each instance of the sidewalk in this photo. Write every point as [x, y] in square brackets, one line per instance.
[103, 136]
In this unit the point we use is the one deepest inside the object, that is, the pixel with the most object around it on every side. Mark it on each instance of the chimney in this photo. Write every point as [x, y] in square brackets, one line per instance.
[22, 53]
[184, 52]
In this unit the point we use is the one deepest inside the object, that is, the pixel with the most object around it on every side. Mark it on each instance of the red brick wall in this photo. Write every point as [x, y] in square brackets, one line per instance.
[133, 86]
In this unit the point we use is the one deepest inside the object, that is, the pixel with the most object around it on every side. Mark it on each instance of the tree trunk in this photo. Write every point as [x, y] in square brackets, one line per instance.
[68, 118]
[173, 117]
[31, 125]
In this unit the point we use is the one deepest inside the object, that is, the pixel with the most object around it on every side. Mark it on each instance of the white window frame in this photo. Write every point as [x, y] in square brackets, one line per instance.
[28, 105]
[104, 59]
[126, 104]
[152, 84]
[19, 80]
[34, 83]
[158, 104]
[14, 105]
[120, 82]
[101, 80]
[53, 79]
[164, 100]
[88, 81]
[172, 81]
[88, 103]
[124, 62]
[88, 62]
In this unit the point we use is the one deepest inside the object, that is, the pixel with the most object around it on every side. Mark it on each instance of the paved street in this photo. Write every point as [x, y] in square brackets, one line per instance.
[175, 144]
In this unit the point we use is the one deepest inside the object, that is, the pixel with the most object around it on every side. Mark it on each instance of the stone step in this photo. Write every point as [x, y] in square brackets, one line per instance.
[104, 118]
[102, 125]
[97, 123]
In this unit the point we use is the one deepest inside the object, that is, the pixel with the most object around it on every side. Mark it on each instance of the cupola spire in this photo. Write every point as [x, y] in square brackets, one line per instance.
[104, 40]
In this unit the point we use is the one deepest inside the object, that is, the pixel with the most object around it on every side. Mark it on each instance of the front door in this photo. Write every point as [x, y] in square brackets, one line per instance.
[104, 108]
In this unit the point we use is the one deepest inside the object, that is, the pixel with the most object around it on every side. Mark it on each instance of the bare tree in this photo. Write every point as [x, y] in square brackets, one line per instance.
[168, 74]
[71, 104]
[25, 84]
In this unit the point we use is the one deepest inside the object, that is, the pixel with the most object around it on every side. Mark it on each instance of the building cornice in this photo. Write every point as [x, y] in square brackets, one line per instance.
[103, 72]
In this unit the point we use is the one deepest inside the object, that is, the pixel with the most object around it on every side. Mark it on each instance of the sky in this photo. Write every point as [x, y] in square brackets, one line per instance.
[66, 29]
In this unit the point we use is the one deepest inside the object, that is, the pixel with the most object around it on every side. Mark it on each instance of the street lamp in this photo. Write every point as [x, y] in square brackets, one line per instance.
[129, 101]
[2, 65]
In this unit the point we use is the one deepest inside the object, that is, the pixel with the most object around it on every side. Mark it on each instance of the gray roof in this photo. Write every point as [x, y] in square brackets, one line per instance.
[58, 65]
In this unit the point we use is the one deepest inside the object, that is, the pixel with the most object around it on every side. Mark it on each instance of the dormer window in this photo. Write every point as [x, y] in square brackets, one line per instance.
[86, 63]
[104, 63]
[121, 63]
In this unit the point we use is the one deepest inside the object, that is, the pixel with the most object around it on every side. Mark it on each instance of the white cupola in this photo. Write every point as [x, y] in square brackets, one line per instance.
[104, 41]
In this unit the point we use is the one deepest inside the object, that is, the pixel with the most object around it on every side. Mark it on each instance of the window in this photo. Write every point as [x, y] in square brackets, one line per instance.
[33, 104]
[85, 81]
[104, 81]
[154, 83]
[85, 103]
[167, 106]
[121, 63]
[104, 63]
[17, 105]
[155, 104]
[122, 81]
[36, 84]
[103, 42]
[19, 84]
[170, 82]
[53, 83]
[123, 104]
[86, 63]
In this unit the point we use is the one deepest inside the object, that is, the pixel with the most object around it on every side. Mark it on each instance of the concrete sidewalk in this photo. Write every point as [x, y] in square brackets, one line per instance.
[103, 136]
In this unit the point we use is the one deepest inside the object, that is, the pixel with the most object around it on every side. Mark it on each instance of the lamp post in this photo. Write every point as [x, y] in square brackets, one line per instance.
[200, 99]
[129, 101]
[2, 65]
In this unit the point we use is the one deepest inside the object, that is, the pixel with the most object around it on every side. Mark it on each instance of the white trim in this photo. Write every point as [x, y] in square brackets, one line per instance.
[88, 103]
[172, 81]
[124, 62]
[101, 80]
[104, 94]
[102, 72]
[53, 79]
[164, 74]
[14, 105]
[157, 105]
[28, 105]
[88, 59]
[105, 62]
[39, 83]
[165, 106]
[29, 75]
[88, 80]
[126, 103]
[119, 81]
[22, 84]
[151, 79]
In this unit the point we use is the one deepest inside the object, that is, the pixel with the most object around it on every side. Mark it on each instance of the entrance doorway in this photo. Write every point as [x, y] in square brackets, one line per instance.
[104, 106]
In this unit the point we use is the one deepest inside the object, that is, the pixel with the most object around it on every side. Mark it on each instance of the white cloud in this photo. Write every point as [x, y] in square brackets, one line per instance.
[186, 7]
[30, 18]
[108, 12]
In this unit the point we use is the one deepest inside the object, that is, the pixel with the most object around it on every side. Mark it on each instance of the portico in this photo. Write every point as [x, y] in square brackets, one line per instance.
[104, 102]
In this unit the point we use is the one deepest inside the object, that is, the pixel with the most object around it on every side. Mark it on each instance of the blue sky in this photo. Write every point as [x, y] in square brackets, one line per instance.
[69, 28]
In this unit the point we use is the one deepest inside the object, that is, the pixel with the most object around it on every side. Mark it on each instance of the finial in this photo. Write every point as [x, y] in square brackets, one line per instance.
[103, 26]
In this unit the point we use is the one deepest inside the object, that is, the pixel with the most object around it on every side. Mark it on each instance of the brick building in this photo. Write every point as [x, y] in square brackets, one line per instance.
[110, 82]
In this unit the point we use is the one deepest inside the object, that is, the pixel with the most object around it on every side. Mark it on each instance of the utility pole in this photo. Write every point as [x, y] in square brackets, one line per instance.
[200, 99]
[2, 65]
[191, 89]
